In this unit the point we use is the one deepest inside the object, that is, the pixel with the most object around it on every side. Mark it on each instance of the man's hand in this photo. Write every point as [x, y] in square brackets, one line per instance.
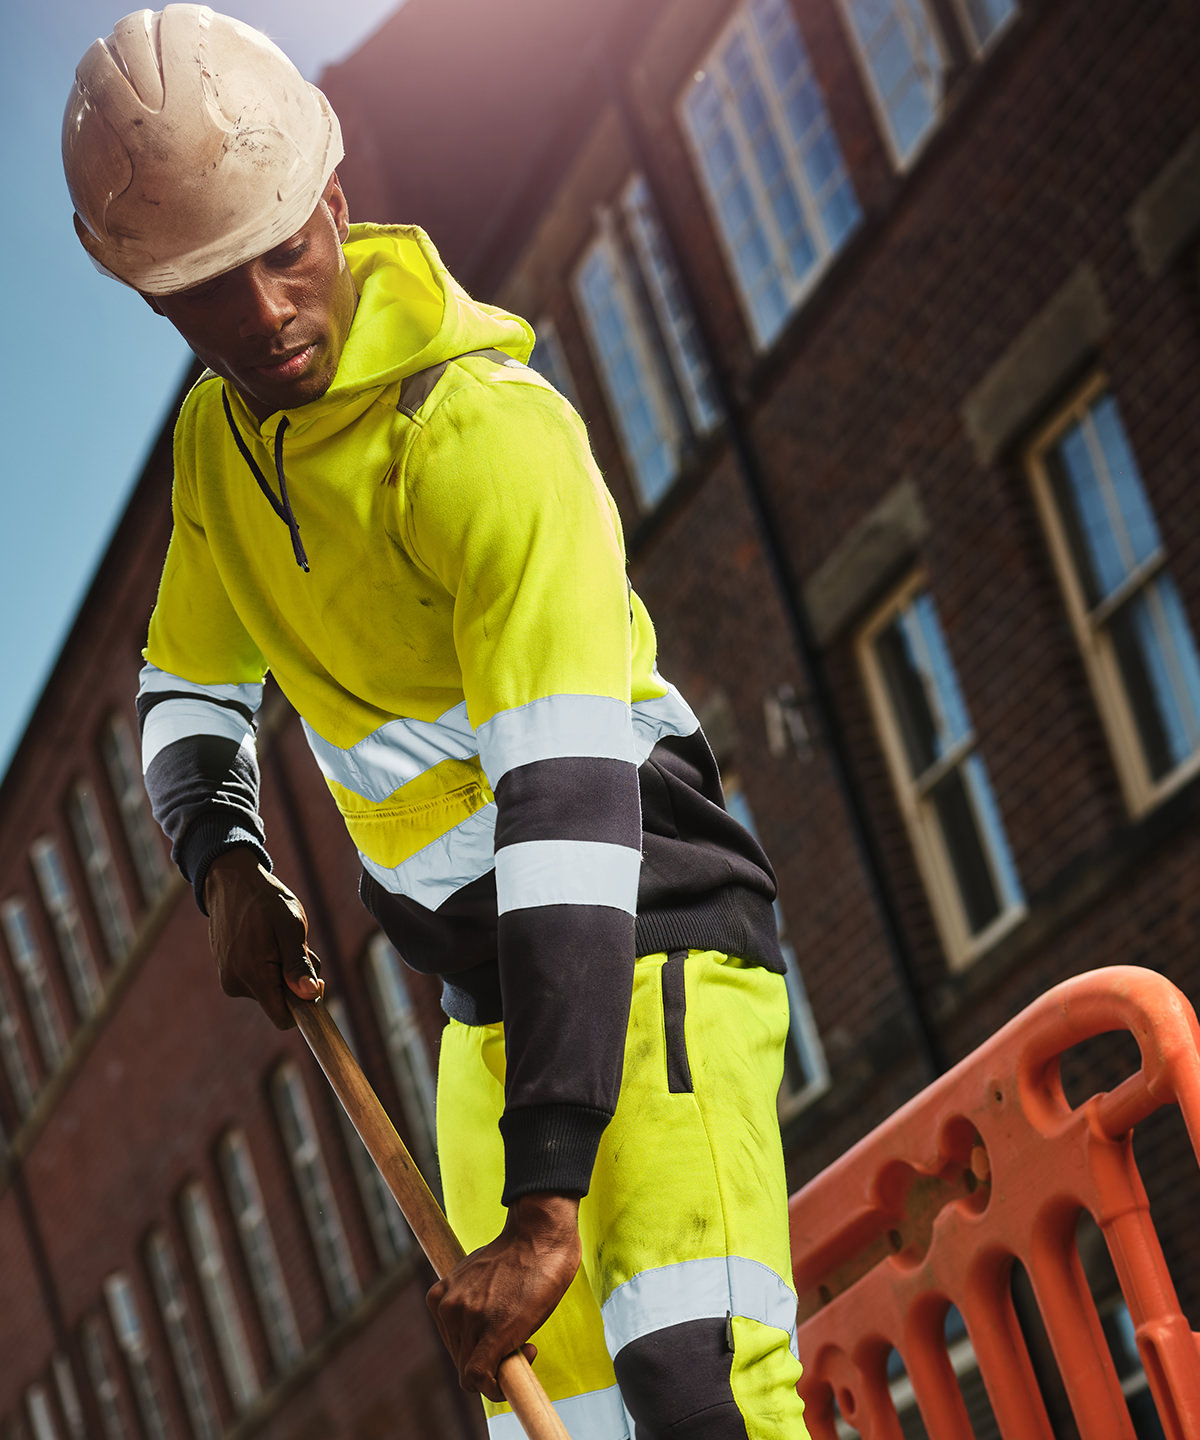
[494, 1300]
[257, 930]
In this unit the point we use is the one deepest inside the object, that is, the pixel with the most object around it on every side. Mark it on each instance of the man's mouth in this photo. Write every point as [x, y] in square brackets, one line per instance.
[288, 367]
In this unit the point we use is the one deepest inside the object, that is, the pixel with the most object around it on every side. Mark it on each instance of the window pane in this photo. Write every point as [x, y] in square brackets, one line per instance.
[208, 1256]
[73, 947]
[550, 361]
[123, 763]
[923, 685]
[407, 1051]
[639, 407]
[126, 1318]
[91, 841]
[102, 1379]
[316, 1193]
[27, 958]
[987, 16]
[258, 1246]
[1157, 658]
[903, 62]
[964, 847]
[389, 1229]
[753, 117]
[181, 1337]
[685, 351]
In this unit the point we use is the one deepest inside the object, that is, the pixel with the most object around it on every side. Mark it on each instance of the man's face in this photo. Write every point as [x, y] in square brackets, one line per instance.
[275, 327]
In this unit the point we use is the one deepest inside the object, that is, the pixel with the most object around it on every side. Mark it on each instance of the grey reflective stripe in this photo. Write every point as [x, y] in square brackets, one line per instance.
[554, 728]
[698, 1290]
[153, 681]
[566, 872]
[181, 719]
[416, 388]
[654, 720]
[598, 1415]
[380, 763]
[445, 865]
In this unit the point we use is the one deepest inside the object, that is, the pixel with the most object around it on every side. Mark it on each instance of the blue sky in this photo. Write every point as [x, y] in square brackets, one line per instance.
[87, 371]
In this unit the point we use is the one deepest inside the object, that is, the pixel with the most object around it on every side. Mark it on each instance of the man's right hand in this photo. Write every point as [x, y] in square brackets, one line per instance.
[258, 931]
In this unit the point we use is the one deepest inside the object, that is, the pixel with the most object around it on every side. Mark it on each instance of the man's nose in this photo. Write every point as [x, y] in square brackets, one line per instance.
[266, 306]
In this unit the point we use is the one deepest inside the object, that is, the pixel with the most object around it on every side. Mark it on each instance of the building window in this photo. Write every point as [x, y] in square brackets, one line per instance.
[73, 947]
[258, 1247]
[68, 1397]
[41, 1415]
[1127, 613]
[91, 841]
[645, 341]
[102, 1378]
[549, 359]
[208, 1257]
[940, 777]
[985, 19]
[900, 50]
[407, 1052]
[12, 1052]
[131, 1341]
[770, 163]
[123, 763]
[389, 1230]
[316, 1193]
[43, 1008]
[805, 1073]
[167, 1284]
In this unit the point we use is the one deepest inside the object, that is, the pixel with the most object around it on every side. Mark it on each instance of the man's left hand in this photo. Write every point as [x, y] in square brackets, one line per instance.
[493, 1301]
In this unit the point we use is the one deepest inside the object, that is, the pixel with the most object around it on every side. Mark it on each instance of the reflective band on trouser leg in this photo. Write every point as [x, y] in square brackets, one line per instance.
[573, 1363]
[682, 1180]
[687, 1215]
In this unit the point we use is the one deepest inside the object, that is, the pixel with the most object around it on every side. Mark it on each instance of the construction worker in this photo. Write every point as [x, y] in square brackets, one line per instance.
[378, 501]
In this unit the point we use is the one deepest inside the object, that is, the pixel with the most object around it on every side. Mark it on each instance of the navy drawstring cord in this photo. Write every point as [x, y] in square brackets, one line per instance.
[284, 509]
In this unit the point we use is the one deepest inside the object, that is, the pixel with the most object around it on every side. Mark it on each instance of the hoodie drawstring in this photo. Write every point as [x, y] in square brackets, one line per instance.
[284, 509]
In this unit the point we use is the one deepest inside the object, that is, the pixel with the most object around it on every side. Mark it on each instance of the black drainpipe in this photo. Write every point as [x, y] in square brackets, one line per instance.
[779, 563]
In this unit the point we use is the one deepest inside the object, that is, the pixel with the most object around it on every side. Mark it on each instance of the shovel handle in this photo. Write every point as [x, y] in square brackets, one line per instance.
[520, 1385]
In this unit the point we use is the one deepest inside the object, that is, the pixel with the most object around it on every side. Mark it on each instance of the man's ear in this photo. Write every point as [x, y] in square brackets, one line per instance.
[338, 207]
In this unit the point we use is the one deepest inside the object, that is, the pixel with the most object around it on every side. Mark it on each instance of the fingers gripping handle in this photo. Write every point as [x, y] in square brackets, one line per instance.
[521, 1387]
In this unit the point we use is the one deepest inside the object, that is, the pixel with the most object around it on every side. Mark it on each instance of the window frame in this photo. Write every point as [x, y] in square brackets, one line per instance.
[66, 922]
[261, 1255]
[122, 765]
[642, 287]
[183, 1342]
[322, 1214]
[903, 162]
[979, 47]
[35, 980]
[221, 1305]
[95, 852]
[389, 1229]
[129, 1331]
[796, 290]
[94, 1346]
[925, 832]
[400, 1042]
[1140, 791]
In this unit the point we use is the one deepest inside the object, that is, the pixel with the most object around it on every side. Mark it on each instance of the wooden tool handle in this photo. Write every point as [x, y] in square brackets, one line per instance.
[520, 1385]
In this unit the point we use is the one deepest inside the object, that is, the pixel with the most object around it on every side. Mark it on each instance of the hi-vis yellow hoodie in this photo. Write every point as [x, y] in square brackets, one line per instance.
[475, 678]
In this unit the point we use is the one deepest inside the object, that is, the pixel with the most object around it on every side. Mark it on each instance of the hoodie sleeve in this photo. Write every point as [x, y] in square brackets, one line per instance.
[504, 504]
[198, 697]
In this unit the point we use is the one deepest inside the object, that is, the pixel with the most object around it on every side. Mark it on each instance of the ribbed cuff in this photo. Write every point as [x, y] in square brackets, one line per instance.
[208, 837]
[550, 1147]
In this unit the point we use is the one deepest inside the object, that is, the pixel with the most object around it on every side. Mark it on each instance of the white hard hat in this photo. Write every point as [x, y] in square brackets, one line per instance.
[191, 144]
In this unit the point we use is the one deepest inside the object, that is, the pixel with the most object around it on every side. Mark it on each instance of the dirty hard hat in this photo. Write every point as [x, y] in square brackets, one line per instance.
[191, 144]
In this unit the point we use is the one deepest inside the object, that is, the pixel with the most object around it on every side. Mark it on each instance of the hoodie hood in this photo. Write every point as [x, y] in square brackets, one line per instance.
[411, 314]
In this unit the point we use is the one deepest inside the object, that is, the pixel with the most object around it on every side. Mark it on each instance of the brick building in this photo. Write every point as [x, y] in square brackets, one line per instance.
[885, 323]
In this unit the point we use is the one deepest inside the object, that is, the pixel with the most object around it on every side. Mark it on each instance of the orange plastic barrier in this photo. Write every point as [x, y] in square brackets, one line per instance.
[987, 1166]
